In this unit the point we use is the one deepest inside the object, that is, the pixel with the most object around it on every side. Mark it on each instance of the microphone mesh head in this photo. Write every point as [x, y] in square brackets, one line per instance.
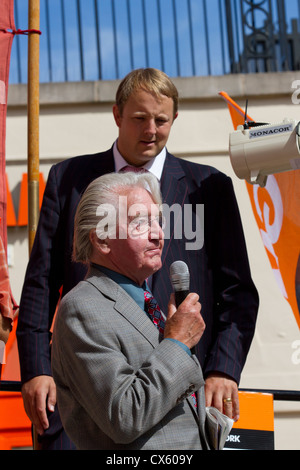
[180, 276]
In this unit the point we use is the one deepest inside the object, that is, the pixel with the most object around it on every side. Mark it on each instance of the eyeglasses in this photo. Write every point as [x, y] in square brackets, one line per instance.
[142, 224]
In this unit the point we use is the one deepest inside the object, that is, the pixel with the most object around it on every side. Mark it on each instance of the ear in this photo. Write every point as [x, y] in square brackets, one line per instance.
[100, 247]
[175, 117]
[117, 115]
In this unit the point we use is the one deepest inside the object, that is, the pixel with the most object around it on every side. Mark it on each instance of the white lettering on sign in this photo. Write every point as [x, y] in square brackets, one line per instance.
[295, 95]
[296, 354]
[272, 230]
[232, 438]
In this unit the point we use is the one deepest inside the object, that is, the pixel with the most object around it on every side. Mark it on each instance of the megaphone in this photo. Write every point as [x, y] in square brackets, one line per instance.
[262, 150]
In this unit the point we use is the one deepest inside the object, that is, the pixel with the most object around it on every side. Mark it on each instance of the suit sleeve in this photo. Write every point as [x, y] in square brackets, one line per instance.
[235, 296]
[40, 290]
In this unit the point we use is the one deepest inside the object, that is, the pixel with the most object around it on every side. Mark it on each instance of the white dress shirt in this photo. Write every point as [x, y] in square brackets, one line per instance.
[154, 166]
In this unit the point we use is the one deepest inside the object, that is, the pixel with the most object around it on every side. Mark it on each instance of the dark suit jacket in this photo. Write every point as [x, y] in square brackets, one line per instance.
[219, 271]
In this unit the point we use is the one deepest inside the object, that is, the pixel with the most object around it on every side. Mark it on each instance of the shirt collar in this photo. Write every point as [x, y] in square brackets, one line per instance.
[154, 166]
[134, 290]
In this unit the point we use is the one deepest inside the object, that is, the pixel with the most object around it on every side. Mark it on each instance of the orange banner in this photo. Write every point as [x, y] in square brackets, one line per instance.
[277, 213]
[255, 428]
[256, 412]
[15, 427]
[6, 39]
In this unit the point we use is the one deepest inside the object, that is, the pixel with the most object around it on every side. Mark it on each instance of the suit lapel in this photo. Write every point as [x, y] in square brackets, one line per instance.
[171, 180]
[174, 191]
[125, 305]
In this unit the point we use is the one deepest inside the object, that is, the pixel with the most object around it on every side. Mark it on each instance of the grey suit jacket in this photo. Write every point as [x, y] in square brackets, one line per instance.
[119, 385]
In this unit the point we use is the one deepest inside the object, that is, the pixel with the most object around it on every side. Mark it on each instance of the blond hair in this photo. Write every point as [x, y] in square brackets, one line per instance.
[150, 79]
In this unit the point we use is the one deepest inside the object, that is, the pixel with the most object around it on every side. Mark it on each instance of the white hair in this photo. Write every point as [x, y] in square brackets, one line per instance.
[106, 190]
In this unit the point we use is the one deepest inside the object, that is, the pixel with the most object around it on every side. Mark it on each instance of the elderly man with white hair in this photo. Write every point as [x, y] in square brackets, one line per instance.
[125, 374]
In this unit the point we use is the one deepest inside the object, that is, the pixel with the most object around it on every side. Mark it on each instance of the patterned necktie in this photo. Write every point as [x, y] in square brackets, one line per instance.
[153, 309]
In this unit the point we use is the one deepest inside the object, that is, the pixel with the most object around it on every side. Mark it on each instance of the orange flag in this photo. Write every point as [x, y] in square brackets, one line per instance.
[6, 39]
[276, 208]
[7, 26]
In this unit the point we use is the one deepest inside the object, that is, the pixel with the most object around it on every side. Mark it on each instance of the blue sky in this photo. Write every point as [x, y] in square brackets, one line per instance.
[118, 57]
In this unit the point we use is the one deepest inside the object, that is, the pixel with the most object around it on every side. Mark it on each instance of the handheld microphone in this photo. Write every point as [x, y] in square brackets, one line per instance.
[180, 279]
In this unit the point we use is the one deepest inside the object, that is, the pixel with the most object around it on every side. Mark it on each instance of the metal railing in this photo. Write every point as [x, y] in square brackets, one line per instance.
[105, 39]
[278, 395]
[10, 386]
